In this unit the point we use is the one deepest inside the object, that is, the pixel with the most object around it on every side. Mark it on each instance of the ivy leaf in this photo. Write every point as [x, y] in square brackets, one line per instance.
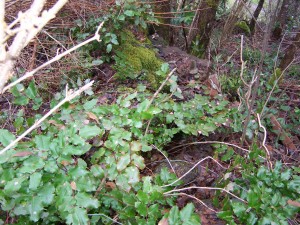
[42, 142]
[136, 146]
[238, 208]
[123, 162]
[86, 201]
[286, 175]
[253, 199]
[129, 13]
[90, 104]
[97, 62]
[77, 217]
[6, 137]
[133, 175]
[141, 208]
[35, 180]
[46, 193]
[32, 164]
[173, 217]
[31, 91]
[14, 184]
[35, 208]
[122, 182]
[88, 132]
[138, 161]
[186, 212]
[108, 48]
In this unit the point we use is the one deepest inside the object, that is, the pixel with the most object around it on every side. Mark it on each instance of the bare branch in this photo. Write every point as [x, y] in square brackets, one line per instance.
[56, 58]
[69, 96]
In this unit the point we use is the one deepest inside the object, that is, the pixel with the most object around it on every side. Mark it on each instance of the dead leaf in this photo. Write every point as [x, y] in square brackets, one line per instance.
[92, 116]
[73, 185]
[111, 185]
[163, 221]
[282, 134]
[293, 203]
[60, 126]
[65, 163]
[23, 154]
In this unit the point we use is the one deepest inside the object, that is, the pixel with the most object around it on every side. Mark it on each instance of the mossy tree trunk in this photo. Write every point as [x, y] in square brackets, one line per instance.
[208, 9]
[256, 15]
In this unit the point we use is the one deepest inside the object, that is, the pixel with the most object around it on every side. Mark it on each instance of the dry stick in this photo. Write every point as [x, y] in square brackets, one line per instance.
[56, 58]
[206, 188]
[160, 88]
[264, 143]
[155, 95]
[69, 96]
[165, 157]
[193, 167]
[193, 197]
[256, 84]
[214, 142]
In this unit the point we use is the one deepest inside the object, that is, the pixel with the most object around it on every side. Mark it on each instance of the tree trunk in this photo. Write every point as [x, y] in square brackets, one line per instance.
[232, 19]
[281, 19]
[208, 9]
[290, 52]
[162, 10]
[255, 15]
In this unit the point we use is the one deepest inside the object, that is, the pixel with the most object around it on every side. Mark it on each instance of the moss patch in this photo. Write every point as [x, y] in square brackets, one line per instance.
[134, 60]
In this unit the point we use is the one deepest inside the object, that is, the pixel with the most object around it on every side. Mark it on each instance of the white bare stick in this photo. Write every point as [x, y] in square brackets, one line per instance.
[193, 167]
[165, 157]
[69, 96]
[161, 87]
[193, 197]
[56, 58]
[205, 188]
[264, 143]
[214, 142]
[31, 22]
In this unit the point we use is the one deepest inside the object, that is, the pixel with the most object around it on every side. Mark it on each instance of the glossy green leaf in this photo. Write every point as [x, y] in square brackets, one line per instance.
[35, 180]
[186, 212]
[89, 131]
[108, 48]
[133, 174]
[138, 161]
[32, 164]
[123, 162]
[129, 13]
[31, 91]
[85, 200]
[6, 137]
[174, 217]
[90, 104]
[78, 216]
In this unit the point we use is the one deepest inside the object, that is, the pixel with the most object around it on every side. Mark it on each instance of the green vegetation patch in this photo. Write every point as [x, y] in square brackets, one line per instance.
[134, 60]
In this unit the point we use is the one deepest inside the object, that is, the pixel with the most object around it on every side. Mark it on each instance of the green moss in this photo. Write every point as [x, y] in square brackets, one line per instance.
[244, 26]
[134, 60]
